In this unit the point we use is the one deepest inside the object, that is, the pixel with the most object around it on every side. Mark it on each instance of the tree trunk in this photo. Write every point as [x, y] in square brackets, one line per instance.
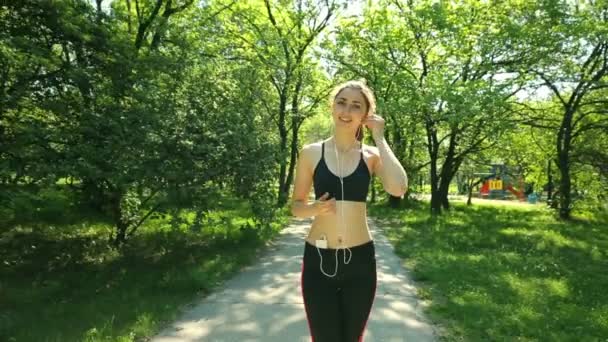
[120, 223]
[121, 234]
[296, 122]
[447, 172]
[549, 181]
[435, 202]
[445, 203]
[472, 184]
[282, 198]
[565, 186]
[435, 193]
[129, 27]
[433, 148]
[142, 30]
[442, 193]
[444, 185]
[92, 195]
[563, 153]
[99, 12]
[293, 156]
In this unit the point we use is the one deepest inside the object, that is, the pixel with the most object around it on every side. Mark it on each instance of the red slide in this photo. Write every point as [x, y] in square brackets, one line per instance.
[518, 194]
[485, 189]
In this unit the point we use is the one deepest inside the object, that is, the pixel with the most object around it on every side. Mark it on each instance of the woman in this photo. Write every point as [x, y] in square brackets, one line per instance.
[339, 264]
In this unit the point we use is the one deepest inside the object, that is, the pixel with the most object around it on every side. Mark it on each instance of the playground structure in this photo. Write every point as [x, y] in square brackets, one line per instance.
[499, 183]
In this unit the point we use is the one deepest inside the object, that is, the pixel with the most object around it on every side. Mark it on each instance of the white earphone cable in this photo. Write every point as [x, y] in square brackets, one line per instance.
[342, 242]
[343, 226]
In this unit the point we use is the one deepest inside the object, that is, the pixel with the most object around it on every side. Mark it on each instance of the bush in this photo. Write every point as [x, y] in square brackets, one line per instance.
[50, 205]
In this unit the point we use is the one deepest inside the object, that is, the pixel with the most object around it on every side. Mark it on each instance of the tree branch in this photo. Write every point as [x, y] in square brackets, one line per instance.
[278, 29]
[551, 86]
[601, 125]
[153, 210]
[143, 26]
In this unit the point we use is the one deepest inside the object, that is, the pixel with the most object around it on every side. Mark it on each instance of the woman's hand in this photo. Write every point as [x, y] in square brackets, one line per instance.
[376, 124]
[325, 206]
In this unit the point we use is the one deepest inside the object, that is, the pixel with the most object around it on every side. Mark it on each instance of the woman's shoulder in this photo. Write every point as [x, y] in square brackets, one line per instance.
[313, 148]
[312, 151]
[313, 145]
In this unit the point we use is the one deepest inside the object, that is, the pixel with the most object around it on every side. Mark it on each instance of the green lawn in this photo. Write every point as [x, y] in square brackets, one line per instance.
[505, 273]
[61, 282]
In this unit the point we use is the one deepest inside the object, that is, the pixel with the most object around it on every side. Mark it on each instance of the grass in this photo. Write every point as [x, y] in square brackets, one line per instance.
[505, 273]
[61, 281]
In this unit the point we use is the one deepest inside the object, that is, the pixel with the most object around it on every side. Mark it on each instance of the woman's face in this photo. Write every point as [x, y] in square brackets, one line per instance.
[349, 108]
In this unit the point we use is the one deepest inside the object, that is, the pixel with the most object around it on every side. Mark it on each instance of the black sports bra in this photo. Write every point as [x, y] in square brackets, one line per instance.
[356, 185]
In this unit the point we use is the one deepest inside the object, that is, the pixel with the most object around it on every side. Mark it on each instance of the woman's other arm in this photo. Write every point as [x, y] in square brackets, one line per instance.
[302, 185]
[389, 169]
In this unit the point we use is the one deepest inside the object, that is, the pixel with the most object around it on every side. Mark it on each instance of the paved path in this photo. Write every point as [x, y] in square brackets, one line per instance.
[264, 303]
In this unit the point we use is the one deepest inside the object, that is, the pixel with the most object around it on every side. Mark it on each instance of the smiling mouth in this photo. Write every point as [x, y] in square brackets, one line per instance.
[345, 120]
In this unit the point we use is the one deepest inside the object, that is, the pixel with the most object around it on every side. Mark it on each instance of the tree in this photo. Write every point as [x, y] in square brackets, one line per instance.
[280, 38]
[120, 113]
[576, 73]
[452, 69]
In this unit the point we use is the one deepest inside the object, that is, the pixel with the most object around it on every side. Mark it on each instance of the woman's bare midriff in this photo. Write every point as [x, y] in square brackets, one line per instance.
[353, 230]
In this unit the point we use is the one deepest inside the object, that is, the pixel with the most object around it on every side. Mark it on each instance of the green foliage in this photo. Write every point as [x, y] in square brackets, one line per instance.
[316, 128]
[36, 205]
[76, 287]
[135, 129]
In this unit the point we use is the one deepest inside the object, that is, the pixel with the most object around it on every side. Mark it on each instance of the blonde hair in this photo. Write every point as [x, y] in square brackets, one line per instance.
[368, 95]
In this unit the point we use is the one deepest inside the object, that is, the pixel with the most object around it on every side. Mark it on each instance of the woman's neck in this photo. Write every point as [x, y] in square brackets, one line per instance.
[345, 141]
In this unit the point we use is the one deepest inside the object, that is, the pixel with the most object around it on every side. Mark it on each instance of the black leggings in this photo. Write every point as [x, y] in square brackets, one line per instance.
[337, 308]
